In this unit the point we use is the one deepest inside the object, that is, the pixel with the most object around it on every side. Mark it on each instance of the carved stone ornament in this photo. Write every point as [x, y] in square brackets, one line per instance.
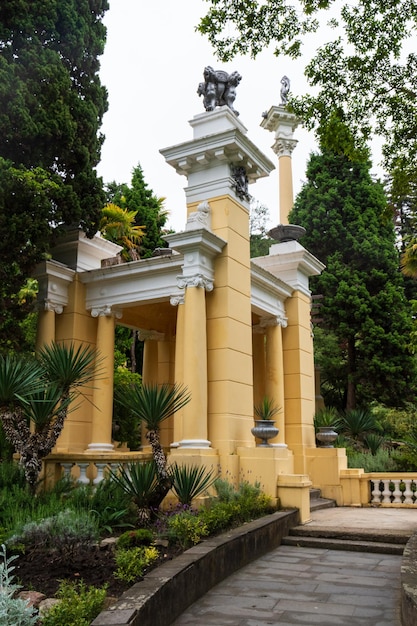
[240, 183]
[199, 218]
[198, 280]
[48, 305]
[285, 89]
[105, 311]
[219, 88]
[177, 299]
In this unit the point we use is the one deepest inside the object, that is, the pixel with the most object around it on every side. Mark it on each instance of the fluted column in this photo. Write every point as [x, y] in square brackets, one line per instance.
[101, 439]
[274, 374]
[194, 421]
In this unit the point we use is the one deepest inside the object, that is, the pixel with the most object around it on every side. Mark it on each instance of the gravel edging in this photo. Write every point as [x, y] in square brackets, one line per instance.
[168, 590]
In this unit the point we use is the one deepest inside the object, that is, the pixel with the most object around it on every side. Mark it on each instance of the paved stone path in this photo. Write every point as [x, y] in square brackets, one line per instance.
[292, 585]
[309, 586]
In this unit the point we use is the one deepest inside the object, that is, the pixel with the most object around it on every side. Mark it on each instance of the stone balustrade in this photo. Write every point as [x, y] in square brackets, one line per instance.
[88, 468]
[388, 489]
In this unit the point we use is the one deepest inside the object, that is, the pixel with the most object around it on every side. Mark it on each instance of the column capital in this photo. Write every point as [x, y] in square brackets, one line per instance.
[284, 146]
[50, 305]
[197, 280]
[177, 299]
[106, 311]
[276, 320]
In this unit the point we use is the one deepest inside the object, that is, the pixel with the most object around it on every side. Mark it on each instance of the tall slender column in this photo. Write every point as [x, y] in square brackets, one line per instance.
[274, 375]
[195, 363]
[258, 348]
[283, 124]
[45, 334]
[179, 363]
[150, 355]
[101, 439]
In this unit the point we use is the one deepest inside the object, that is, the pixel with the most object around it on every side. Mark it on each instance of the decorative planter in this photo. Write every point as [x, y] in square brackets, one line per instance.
[264, 429]
[326, 436]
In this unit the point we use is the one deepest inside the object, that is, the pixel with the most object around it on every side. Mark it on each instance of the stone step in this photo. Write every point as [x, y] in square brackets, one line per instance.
[315, 493]
[340, 544]
[350, 534]
[317, 503]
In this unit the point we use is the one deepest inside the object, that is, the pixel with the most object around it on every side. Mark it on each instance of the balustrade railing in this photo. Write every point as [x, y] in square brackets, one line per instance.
[88, 469]
[393, 489]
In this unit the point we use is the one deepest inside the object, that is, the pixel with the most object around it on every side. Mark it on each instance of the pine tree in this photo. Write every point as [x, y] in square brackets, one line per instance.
[342, 210]
[51, 107]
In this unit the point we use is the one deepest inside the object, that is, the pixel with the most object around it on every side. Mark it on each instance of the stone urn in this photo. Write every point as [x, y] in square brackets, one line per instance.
[264, 430]
[326, 436]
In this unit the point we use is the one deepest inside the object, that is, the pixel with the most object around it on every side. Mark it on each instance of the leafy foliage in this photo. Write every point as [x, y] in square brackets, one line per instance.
[140, 481]
[148, 209]
[363, 304]
[13, 611]
[39, 393]
[78, 605]
[361, 66]
[51, 104]
[132, 562]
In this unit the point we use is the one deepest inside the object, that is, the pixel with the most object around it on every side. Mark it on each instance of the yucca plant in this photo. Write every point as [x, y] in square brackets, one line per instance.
[190, 481]
[153, 404]
[373, 442]
[39, 392]
[140, 481]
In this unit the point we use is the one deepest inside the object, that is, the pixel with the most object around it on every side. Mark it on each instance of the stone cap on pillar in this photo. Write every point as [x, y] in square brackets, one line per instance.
[291, 262]
[219, 143]
[53, 279]
[77, 251]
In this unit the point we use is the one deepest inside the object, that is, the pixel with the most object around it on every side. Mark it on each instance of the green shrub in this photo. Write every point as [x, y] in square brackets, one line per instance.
[187, 529]
[79, 605]
[135, 538]
[382, 461]
[218, 516]
[13, 611]
[65, 532]
[11, 475]
[132, 562]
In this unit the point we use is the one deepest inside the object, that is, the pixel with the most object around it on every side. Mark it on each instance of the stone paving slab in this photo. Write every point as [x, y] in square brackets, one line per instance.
[292, 585]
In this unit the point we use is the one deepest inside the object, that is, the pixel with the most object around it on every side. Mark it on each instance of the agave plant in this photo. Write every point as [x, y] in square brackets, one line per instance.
[39, 393]
[152, 404]
[190, 481]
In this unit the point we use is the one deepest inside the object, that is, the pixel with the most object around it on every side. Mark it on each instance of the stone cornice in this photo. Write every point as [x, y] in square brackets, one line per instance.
[268, 292]
[53, 279]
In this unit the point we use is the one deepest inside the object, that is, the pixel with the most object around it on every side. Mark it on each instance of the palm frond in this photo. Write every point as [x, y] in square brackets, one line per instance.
[153, 404]
[42, 407]
[68, 366]
[19, 379]
[139, 480]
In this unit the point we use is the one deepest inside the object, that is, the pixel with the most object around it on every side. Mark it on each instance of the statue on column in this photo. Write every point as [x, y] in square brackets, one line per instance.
[219, 88]
[285, 89]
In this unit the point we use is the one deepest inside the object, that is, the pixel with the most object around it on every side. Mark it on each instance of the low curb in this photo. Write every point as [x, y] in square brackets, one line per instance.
[409, 583]
[168, 590]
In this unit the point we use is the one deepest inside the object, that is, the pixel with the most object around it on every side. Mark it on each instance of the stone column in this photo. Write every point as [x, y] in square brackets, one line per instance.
[274, 374]
[258, 347]
[101, 439]
[195, 362]
[178, 300]
[150, 355]
[46, 323]
[283, 124]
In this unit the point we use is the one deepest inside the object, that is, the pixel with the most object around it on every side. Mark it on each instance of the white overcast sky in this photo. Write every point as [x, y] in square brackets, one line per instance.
[152, 64]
